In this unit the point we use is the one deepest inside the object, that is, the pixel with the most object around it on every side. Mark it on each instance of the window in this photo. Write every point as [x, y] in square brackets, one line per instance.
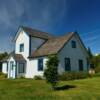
[40, 64]
[87, 64]
[21, 47]
[73, 44]
[67, 64]
[0, 67]
[21, 68]
[11, 65]
[7, 67]
[80, 65]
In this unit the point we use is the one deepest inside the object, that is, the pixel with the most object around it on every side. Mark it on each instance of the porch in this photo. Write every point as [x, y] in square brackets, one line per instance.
[16, 66]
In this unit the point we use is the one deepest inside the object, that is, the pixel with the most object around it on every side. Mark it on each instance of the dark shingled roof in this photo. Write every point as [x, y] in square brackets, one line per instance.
[52, 46]
[36, 33]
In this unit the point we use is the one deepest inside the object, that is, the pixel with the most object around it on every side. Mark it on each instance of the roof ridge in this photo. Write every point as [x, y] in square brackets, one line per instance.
[32, 29]
[25, 28]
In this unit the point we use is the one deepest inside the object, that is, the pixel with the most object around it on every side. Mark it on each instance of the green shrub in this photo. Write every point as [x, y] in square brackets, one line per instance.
[97, 69]
[21, 77]
[51, 71]
[73, 75]
[97, 75]
[2, 75]
[37, 77]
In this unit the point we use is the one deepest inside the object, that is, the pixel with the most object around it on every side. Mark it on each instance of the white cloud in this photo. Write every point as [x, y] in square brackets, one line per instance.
[38, 13]
[53, 12]
[42, 14]
[10, 12]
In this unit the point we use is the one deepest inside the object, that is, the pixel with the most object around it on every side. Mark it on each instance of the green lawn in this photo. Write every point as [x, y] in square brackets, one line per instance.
[25, 89]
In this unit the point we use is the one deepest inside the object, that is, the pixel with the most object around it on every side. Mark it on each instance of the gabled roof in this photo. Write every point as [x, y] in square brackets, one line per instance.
[34, 33]
[52, 46]
[17, 57]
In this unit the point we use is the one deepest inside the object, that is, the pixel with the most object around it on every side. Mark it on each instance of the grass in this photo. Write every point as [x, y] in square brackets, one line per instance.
[25, 89]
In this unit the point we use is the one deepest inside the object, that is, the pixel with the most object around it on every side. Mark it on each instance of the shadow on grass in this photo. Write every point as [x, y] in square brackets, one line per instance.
[65, 87]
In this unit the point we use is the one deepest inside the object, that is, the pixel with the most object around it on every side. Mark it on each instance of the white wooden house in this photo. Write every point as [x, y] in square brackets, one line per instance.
[32, 48]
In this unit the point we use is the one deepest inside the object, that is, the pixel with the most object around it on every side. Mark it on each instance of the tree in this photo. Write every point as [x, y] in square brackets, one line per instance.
[3, 55]
[51, 72]
[91, 57]
[90, 53]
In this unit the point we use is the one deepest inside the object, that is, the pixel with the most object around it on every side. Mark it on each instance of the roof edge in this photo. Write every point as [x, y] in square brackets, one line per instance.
[73, 33]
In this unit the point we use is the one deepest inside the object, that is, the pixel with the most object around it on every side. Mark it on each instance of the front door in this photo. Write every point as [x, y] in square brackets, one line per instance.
[12, 69]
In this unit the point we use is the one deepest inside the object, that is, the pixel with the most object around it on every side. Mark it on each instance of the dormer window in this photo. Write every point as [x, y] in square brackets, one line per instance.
[21, 49]
[73, 43]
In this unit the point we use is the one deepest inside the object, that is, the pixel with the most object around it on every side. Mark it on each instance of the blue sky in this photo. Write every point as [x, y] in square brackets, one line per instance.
[54, 16]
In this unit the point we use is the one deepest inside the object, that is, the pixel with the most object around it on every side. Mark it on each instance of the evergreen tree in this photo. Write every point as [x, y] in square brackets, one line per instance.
[51, 72]
[3, 55]
[90, 53]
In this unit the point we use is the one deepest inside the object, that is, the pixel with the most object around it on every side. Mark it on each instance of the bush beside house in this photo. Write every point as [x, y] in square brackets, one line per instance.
[51, 72]
[2, 75]
[73, 75]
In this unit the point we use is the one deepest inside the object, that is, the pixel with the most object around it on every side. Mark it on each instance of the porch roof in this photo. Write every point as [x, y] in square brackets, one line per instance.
[18, 57]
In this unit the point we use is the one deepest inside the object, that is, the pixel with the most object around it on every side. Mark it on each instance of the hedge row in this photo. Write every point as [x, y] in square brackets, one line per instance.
[73, 75]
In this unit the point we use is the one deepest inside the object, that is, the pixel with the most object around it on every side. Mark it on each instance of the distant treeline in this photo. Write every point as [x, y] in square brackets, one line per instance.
[94, 60]
[3, 55]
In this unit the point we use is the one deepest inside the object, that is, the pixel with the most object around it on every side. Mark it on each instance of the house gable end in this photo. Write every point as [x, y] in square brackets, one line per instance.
[79, 41]
[18, 33]
[22, 38]
[74, 54]
[84, 49]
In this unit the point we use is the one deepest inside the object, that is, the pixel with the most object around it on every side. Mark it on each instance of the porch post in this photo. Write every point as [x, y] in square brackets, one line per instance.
[8, 74]
[16, 69]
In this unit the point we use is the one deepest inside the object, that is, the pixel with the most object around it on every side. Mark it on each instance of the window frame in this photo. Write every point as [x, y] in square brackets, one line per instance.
[40, 66]
[11, 65]
[81, 65]
[7, 67]
[21, 69]
[67, 64]
[73, 44]
[21, 47]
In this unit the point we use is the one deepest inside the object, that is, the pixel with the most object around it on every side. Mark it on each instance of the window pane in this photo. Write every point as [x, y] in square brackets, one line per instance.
[7, 67]
[40, 64]
[67, 64]
[80, 65]
[21, 47]
[87, 64]
[11, 65]
[21, 68]
[73, 44]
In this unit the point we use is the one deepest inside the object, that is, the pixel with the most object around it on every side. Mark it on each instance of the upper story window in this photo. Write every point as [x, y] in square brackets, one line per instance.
[21, 49]
[73, 43]
[40, 64]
